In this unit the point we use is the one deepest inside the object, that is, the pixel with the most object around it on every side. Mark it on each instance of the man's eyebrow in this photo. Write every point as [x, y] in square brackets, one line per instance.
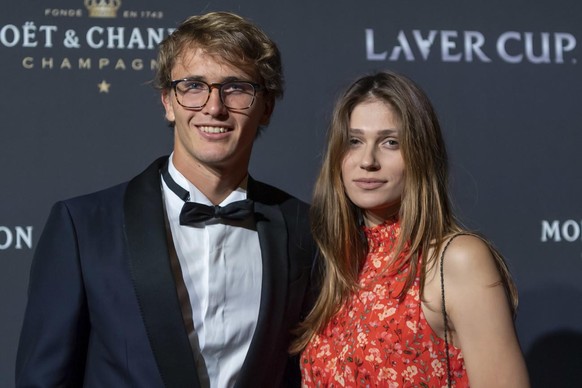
[231, 78]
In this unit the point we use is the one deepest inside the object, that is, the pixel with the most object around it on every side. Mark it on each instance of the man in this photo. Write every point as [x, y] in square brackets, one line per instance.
[138, 286]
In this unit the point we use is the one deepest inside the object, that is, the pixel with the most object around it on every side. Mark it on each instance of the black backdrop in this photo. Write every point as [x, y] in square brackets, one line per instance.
[78, 115]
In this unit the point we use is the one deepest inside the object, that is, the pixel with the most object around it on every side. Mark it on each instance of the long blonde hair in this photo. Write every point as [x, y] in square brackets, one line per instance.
[425, 212]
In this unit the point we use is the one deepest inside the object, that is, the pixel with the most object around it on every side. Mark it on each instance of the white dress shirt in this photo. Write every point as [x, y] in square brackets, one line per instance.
[222, 271]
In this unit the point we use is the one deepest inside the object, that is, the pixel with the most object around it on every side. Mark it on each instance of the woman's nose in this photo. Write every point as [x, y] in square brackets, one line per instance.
[369, 160]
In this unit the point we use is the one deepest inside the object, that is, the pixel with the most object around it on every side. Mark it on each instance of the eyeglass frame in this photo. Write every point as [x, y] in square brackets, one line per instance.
[215, 85]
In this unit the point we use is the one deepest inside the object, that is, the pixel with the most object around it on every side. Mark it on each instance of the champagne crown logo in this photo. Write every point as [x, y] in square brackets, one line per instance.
[102, 8]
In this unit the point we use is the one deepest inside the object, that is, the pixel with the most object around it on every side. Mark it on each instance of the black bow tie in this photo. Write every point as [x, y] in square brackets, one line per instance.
[193, 212]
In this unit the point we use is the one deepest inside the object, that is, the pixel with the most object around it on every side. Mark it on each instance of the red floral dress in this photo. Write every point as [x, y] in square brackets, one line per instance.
[375, 340]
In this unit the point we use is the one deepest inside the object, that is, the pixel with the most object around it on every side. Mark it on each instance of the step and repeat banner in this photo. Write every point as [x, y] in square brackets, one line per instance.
[79, 114]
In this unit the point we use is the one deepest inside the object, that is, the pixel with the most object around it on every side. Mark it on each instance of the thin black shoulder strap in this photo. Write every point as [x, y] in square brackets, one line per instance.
[445, 320]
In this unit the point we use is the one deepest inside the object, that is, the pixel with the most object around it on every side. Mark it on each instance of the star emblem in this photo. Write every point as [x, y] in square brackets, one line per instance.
[103, 86]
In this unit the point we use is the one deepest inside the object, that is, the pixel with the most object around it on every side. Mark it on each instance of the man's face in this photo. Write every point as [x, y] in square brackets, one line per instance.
[213, 137]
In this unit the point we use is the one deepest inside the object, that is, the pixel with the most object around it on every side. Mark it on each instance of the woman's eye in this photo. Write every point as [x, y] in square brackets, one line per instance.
[391, 143]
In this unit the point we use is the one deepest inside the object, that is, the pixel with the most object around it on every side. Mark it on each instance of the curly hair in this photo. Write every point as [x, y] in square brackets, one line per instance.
[231, 38]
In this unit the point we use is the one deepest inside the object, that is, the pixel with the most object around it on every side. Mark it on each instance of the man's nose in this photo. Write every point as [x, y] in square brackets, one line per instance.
[214, 106]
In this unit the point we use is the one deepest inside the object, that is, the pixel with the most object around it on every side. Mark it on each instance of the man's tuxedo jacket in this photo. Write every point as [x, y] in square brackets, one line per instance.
[103, 309]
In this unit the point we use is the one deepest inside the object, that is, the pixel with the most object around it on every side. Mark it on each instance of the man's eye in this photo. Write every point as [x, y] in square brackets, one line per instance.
[238, 87]
[193, 85]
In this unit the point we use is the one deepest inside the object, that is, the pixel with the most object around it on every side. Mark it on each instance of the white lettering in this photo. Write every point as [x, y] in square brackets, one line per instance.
[136, 39]
[91, 39]
[570, 230]
[23, 237]
[448, 44]
[152, 14]
[129, 14]
[4, 39]
[54, 12]
[544, 56]
[10, 35]
[537, 49]
[424, 45]
[8, 242]
[551, 231]
[370, 54]
[403, 48]
[115, 37]
[48, 37]
[474, 41]
[563, 42]
[502, 47]
[155, 37]
[29, 34]
[469, 46]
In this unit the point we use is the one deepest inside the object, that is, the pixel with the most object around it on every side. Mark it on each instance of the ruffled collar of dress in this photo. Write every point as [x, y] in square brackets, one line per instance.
[381, 235]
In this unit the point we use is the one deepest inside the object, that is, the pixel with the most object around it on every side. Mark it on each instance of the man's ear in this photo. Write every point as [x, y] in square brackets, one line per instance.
[269, 107]
[166, 97]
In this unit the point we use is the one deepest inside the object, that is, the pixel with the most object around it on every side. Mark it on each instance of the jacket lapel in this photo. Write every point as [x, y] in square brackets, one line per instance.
[273, 242]
[153, 280]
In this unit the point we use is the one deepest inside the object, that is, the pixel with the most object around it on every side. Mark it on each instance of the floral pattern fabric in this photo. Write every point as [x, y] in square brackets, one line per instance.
[377, 340]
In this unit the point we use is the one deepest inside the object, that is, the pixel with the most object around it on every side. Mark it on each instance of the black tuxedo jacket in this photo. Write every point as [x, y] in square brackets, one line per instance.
[103, 309]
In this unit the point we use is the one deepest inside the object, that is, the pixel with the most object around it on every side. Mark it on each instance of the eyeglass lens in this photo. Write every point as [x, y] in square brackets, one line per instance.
[234, 95]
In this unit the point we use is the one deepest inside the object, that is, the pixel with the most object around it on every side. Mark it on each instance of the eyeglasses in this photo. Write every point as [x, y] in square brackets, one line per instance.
[194, 94]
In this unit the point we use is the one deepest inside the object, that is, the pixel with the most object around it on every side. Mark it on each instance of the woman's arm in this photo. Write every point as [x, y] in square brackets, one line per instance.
[480, 315]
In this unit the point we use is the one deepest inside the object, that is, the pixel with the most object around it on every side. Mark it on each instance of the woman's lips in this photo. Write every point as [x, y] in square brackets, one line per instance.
[369, 184]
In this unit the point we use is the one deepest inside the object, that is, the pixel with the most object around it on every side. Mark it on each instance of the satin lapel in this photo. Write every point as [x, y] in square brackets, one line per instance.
[273, 242]
[153, 280]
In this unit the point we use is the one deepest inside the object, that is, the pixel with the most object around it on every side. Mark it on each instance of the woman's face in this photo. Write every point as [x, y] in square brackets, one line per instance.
[373, 167]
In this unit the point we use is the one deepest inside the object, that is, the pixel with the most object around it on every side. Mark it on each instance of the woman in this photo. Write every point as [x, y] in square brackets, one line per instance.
[383, 222]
